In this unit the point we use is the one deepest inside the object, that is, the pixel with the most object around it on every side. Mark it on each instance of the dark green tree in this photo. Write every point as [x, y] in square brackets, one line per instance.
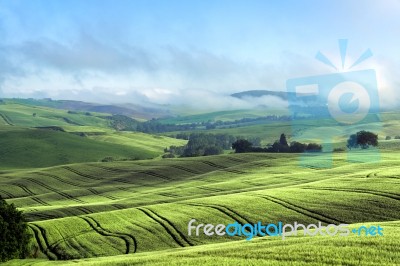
[363, 139]
[366, 139]
[282, 140]
[14, 236]
[242, 145]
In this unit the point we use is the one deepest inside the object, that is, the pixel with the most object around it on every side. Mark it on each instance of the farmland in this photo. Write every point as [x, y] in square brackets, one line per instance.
[108, 209]
[134, 207]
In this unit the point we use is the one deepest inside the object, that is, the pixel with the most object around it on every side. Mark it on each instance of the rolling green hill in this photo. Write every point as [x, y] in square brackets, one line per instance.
[79, 137]
[25, 148]
[129, 211]
[142, 208]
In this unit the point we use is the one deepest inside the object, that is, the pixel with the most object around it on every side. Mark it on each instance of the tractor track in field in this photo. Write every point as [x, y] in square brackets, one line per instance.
[359, 190]
[45, 248]
[118, 206]
[302, 210]
[6, 119]
[25, 189]
[42, 216]
[95, 192]
[169, 195]
[210, 189]
[84, 210]
[151, 173]
[110, 169]
[59, 179]
[129, 240]
[82, 174]
[41, 202]
[9, 195]
[235, 160]
[223, 168]
[225, 210]
[185, 169]
[178, 236]
[63, 194]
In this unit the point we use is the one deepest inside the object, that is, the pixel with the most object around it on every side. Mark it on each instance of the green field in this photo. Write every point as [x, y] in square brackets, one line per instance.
[135, 209]
[85, 138]
[142, 208]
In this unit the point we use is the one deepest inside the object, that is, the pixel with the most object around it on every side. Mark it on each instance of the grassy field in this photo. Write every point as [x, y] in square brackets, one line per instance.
[142, 209]
[135, 209]
[73, 137]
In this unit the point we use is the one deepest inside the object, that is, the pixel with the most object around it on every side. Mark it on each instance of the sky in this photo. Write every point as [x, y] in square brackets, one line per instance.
[188, 51]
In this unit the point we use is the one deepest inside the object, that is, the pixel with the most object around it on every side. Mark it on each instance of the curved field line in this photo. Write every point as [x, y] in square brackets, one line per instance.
[151, 173]
[82, 174]
[134, 242]
[95, 192]
[38, 240]
[179, 238]
[42, 215]
[6, 119]
[40, 233]
[233, 159]
[185, 169]
[213, 164]
[225, 210]
[9, 195]
[59, 179]
[301, 210]
[42, 202]
[223, 168]
[110, 169]
[84, 210]
[118, 206]
[63, 194]
[169, 195]
[359, 190]
[25, 189]
[210, 189]
[127, 238]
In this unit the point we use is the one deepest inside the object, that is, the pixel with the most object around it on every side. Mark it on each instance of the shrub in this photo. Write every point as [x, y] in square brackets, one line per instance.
[14, 237]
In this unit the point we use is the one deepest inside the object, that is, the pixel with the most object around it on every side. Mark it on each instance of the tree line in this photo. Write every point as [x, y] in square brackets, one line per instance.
[281, 145]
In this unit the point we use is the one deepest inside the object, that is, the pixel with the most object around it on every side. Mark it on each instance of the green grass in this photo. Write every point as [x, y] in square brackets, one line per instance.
[142, 208]
[23, 147]
[136, 212]
[299, 250]
[22, 115]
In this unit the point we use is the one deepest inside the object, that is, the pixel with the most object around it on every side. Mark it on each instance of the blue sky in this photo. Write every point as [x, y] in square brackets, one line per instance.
[178, 51]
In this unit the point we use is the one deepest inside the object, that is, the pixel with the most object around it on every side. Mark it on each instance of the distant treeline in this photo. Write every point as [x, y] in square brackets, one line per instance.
[121, 122]
[201, 144]
[243, 146]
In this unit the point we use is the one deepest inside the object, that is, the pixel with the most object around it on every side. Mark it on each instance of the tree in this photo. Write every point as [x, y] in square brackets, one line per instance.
[14, 237]
[362, 139]
[282, 140]
[297, 147]
[242, 145]
[366, 139]
[352, 142]
[313, 147]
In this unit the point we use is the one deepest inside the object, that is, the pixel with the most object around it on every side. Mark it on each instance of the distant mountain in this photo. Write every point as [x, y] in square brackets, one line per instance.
[300, 97]
[259, 93]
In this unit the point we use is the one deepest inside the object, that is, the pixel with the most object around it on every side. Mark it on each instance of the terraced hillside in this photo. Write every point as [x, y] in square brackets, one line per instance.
[142, 209]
